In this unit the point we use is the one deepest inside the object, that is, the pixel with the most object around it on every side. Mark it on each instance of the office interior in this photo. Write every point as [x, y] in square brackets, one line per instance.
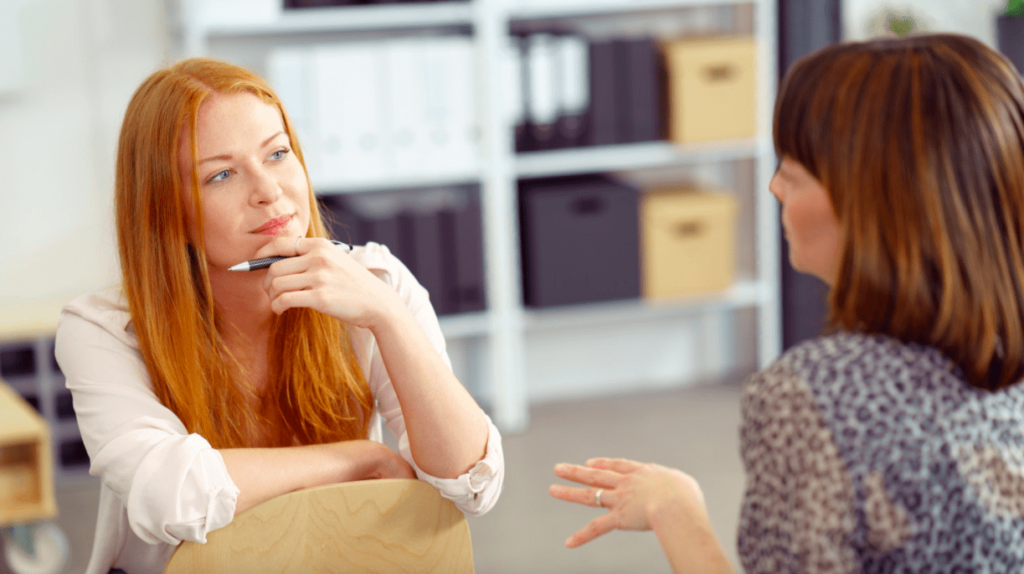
[495, 146]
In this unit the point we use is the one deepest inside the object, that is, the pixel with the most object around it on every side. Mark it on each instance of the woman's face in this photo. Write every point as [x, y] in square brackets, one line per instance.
[252, 185]
[809, 221]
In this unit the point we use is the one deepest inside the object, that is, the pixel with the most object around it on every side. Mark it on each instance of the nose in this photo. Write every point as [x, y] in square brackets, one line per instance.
[775, 186]
[265, 189]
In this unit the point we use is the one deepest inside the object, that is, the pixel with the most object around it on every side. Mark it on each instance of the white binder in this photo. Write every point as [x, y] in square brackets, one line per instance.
[450, 113]
[408, 131]
[289, 71]
[349, 100]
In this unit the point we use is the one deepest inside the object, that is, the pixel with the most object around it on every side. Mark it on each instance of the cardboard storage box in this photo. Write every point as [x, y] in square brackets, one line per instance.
[580, 240]
[711, 84]
[688, 242]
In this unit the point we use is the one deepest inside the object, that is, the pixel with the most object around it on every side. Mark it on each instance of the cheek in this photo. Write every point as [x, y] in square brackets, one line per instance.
[815, 236]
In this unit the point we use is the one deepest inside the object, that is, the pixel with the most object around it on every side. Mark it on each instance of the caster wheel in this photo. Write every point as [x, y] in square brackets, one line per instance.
[51, 551]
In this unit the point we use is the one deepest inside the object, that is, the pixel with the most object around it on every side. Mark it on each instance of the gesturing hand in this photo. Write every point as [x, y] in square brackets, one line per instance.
[320, 276]
[633, 492]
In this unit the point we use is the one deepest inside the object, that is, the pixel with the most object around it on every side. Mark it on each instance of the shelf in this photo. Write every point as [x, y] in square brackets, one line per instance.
[742, 294]
[352, 19]
[463, 325]
[626, 157]
[544, 9]
[325, 187]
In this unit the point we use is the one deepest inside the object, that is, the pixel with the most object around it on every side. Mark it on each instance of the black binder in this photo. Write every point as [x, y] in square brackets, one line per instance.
[640, 77]
[604, 94]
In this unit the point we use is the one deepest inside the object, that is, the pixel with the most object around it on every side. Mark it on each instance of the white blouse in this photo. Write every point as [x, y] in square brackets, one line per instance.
[162, 485]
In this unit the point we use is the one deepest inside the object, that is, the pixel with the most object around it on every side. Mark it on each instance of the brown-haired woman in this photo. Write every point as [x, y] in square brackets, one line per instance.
[896, 442]
[201, 392]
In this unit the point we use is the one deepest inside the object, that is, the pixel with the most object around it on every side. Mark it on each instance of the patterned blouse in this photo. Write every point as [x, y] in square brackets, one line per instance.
[866, 454]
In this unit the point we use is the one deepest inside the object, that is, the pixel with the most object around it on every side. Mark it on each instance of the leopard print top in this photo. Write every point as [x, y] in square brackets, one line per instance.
[866, 454]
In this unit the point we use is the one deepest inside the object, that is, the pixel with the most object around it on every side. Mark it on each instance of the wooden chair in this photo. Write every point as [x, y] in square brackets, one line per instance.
[388, 526]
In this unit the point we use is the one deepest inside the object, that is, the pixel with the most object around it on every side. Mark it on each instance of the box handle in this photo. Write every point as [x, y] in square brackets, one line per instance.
[688, 229]
[720, 73]
[588, 205]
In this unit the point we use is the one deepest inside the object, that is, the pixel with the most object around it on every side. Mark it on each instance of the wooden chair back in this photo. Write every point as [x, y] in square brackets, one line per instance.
[389, 526]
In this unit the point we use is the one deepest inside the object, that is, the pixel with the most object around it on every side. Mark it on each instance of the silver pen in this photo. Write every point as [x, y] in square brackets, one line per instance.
[257, 264]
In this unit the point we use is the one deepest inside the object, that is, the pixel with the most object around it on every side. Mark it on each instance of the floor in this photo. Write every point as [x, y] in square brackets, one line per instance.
[695, 429]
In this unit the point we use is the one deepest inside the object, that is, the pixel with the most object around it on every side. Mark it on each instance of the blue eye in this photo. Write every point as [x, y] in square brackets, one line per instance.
[219, 176]
[279, 154]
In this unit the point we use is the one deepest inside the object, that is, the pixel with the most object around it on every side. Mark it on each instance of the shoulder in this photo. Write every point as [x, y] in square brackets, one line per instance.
[841, 374]
[867, 360]
[105, 309]
[381, 262]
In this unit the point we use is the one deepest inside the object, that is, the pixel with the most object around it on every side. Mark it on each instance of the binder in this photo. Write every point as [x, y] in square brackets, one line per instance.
[451, 119]
[541, 54]
[640, 77]
[574, 89]
[420, 237]
[513, 71]
[462, 244]
[289, 71]
[408, 129]
[291, 4]
[343, 224]
[350, 112]
[604, 94]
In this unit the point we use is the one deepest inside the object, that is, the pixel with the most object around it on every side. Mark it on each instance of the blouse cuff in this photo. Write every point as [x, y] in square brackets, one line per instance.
[476, 491]
[180, 490]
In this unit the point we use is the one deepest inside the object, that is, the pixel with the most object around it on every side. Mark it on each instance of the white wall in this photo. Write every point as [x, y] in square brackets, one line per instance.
[82, 59]
[862, 19]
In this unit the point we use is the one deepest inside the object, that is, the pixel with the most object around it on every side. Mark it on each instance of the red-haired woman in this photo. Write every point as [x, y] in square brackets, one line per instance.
[201, 392]
[896, 442]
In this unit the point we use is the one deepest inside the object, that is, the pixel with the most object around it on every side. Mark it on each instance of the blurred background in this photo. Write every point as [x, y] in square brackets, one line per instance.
[581, 185]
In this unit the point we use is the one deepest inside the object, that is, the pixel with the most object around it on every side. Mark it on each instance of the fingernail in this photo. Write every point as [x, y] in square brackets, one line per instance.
[560, 467]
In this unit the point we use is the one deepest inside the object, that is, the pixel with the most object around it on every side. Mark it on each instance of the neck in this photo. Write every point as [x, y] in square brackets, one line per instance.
[242, 304]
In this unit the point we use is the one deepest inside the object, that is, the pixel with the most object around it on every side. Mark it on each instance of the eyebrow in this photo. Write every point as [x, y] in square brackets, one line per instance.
[229, 156]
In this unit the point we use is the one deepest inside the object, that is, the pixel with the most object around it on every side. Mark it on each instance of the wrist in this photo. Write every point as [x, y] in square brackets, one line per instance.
[681, 506]
[355, 459]
[389, 317]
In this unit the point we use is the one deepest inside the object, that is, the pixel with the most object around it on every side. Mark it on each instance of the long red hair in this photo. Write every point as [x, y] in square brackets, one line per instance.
[316, 392]
[920, 144]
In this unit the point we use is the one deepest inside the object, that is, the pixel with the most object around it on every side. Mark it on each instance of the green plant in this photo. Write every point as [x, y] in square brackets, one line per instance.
[1014, 7]
[902, 24]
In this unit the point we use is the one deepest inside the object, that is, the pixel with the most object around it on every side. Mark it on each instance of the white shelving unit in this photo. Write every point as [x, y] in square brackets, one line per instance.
[506, 327]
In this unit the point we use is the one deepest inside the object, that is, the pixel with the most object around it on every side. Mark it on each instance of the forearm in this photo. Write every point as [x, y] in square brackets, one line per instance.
[264, 473]
[690, 545]
[446, 428]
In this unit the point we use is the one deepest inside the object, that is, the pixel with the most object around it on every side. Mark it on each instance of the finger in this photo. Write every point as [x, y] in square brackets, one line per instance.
[589, 476]
[294, 299]
[620, 465]
[601, 525]
[285, 267]
[283, 246]
[276, 286]
[577, 494]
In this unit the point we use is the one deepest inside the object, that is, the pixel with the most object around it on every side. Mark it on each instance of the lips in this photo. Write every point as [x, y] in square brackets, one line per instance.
[274, 226]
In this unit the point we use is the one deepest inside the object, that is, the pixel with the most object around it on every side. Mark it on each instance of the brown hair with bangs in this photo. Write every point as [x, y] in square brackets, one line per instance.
[317, 392]
[920, 144]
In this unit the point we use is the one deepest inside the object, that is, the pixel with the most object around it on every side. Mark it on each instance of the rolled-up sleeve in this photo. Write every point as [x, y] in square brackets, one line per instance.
[173, 485]
[476, 491]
